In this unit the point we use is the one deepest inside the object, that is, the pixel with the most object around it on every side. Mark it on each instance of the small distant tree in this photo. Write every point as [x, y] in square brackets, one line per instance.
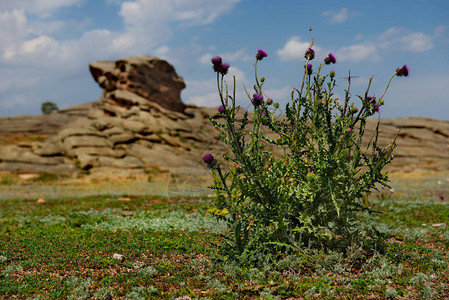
[49, 107]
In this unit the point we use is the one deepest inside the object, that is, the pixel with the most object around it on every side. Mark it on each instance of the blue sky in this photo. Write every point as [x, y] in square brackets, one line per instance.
[46, 46]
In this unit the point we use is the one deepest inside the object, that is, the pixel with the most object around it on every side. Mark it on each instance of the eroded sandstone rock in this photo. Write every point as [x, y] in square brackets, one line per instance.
[138, 79]
[140, 122]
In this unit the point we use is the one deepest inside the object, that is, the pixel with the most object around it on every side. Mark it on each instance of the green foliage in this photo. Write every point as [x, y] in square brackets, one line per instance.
[311, 195]
[49, 107]
[7, 179]
[48, 250]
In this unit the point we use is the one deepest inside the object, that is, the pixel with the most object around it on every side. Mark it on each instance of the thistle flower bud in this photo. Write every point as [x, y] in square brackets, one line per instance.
[216, 60]
[330, 59]
[221, 109]
[261, 53]
[309, 69]
[209, 159]
[257, 99]
[403, 71]
[310, 54]
[223, 68]
[269, 101]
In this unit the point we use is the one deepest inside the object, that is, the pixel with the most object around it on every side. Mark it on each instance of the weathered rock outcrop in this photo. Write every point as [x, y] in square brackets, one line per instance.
[140, 122]
[42, 124]
[150, 78]
[421, 142]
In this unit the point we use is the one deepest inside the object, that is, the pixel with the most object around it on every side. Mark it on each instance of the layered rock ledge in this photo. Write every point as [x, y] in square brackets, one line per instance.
[140, 122]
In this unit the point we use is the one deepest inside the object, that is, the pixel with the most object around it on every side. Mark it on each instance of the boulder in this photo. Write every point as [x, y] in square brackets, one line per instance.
[140, 78]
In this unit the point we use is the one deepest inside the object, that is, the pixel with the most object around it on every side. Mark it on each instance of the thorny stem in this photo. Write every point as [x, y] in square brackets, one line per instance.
[303, 77]
[230, 125]
[223, 180]
[347, 94]
[369, 85]
[388, 85]
[259, 90]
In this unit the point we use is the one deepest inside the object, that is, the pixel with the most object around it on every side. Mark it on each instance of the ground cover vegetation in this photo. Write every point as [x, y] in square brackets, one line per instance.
[64, 248]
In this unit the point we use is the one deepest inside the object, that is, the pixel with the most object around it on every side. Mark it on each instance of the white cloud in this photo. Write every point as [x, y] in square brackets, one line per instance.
[393, 39]
[13, 28]
[40, 8]
[191, 12]
[416, 42]
[358, 52]
[280, 94]
[114, 2]
[341, 16]
[163, 52]
[205, 59]
[294, 49]
[33, 58]
[440, 31]
[205, 92]
[239, 55]
[403, 39]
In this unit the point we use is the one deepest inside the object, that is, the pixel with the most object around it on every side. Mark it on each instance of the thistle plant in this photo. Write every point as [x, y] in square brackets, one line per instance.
[306, 187]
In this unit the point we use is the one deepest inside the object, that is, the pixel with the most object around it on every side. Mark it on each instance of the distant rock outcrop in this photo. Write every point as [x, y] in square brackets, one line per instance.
[141, 122]
[44, 123]
[421, 142]
[150, 78]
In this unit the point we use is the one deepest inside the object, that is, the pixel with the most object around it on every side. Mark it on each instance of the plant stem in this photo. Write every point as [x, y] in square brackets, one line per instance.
[388, 85]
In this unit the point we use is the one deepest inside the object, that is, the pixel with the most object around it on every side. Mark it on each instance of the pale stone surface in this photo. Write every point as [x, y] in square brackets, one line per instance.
[145, 77]
[119, 257]
[140, 122]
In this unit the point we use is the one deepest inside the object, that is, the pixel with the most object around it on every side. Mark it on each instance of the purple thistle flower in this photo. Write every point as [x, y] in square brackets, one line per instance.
[209, 159]
[309, 69]
[261, 53]
[221, 109]
[257, 99]
[373, 102]
[223, 68]
[332, 58]
[403, 71]
[216, 60]
[310, 54]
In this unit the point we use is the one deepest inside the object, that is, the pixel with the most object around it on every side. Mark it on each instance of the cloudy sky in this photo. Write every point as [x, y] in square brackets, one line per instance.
[46, 46]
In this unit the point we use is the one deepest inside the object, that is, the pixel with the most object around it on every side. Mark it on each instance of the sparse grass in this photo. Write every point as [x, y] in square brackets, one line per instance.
[64, 248]
[14, 139]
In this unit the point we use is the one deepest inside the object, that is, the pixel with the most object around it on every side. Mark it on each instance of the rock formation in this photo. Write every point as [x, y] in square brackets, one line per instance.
[150, 78]
[141, 122]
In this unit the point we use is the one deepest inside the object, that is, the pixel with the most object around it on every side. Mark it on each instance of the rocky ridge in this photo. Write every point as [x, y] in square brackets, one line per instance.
[129, 127]
[140, 122]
